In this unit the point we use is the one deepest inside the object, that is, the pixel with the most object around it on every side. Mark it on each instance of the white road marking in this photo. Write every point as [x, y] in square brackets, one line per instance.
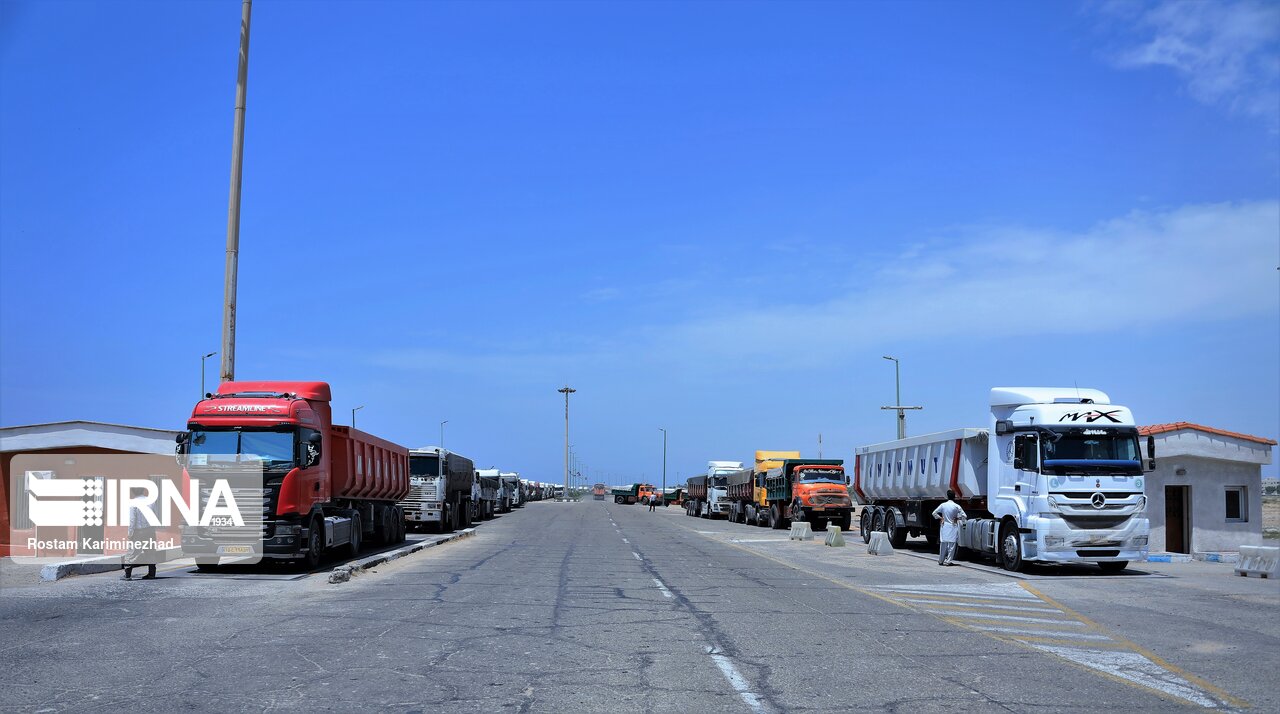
[1135, 668]
[1040, 633]
[993, 591]
[663, 588]
[989, 605]
[736, 680]
[637, 556]
[1014, 618]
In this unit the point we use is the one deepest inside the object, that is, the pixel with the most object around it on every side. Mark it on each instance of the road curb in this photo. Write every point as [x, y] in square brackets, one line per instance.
[97, 564]
[343, 573]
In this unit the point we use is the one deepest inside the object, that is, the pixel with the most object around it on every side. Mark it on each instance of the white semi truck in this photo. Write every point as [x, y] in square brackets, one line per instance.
[717, 499]
[1057, 477]
[511, 486]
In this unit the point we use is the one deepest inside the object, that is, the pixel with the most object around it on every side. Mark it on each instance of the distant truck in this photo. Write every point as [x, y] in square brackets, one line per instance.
[511, 491]
[442, 486]
[635, 493]
[489, 483]
[745, 489]
[599, 491]
[707, 495]
[1057, 477]
[673, 496]
[325, 487]
[813, 490]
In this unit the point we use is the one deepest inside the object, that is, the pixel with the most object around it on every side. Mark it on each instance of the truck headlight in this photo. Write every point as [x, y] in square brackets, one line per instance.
[1139, 541]
[1054, 541]
[1053, 503]
[285, 529]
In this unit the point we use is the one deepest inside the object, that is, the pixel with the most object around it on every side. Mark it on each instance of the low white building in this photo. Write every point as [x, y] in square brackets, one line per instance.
[1206, 492]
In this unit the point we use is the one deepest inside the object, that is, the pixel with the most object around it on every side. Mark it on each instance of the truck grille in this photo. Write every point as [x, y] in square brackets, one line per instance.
[423, 493]
[246, 500]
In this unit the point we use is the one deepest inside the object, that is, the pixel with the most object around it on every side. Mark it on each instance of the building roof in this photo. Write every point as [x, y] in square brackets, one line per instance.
[1180, 425]
[73, 434]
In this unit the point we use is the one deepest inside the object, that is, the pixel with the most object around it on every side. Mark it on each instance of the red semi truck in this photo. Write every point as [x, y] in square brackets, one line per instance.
[325, 487]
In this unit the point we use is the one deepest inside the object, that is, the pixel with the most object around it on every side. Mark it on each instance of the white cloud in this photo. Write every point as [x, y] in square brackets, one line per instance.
[1176, 267]
[1226, 51]
[1195, 263]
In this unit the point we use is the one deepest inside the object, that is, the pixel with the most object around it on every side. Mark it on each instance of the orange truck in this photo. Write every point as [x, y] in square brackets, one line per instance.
[813, 490]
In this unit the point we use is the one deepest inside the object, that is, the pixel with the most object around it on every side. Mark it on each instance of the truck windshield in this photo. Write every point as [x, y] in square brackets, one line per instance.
[719, 481]
[212, 446]
[1093, 449]
[827, 475]
[424, 465]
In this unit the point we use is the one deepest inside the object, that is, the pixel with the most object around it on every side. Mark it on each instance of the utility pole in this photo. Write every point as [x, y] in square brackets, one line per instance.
[202, 371]
[664, 461]
[446, 421]
[902, 414]
[566, 391]
[233, 208]
[819, 444]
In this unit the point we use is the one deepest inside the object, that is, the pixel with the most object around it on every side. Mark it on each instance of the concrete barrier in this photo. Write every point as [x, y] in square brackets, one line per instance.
[835, 538]
[97, 564]
[343, 573]
[879, 544]
[1258, 560]
[801, 530]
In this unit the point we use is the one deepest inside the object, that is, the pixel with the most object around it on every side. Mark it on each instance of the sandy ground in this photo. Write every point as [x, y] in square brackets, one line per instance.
[1271, 517]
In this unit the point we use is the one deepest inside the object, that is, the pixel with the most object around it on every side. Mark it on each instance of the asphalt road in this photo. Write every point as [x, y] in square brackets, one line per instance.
[596, 606]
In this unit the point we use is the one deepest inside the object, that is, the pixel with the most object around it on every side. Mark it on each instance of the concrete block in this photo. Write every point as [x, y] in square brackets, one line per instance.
[801, 530]
[835, 538]
[1258, 560]
[879, 544]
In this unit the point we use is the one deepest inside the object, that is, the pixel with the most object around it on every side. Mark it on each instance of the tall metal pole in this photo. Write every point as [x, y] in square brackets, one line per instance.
[902, 411]
[353, 415]
[664, 461]
[233, 207]
[446, 421]
[566, 391]
[202, 370]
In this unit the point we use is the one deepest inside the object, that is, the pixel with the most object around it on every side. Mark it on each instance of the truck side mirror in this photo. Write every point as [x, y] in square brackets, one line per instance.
[1151, 453]
[1003, 427]
[315, 438]
[180, 440]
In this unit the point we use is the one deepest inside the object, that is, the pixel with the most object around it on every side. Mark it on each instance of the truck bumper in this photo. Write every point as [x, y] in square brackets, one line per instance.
[422, 516]
[1054, 540]
[276, 547]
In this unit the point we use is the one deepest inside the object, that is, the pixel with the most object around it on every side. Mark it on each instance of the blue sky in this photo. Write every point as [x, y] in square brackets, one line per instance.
[713, 218]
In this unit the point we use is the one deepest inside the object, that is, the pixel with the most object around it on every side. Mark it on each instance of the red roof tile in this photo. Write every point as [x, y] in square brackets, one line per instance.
[1177, 425]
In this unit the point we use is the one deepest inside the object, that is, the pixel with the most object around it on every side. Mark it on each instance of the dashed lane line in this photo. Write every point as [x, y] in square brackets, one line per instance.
[1106, 655]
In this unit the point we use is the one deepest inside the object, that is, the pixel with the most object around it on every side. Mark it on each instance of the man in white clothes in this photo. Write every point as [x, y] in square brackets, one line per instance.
[951, 515]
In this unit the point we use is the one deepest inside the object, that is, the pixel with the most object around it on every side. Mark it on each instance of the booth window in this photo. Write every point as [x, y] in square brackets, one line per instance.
[1237, 505]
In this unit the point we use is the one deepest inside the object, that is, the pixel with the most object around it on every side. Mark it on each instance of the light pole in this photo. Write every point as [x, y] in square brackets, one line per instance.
[353, 415]
[664, 461]
[233, 204]
[566, 391]
[202, 359]
[902, 413]
[446, 421]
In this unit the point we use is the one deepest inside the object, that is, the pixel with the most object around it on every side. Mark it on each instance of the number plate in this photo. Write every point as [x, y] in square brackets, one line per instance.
[235, 550]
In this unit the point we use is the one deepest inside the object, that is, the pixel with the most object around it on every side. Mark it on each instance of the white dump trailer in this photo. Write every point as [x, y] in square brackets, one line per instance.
[1061, 481]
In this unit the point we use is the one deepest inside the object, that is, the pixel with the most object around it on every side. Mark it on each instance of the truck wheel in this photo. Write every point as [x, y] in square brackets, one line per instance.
[446, 519]
[352, 549]
[897, 534]
[775, 517]
[1113, 566]
[865, 525]
[1010, 548]
[877, 523]
[845, 521]
[315, 545]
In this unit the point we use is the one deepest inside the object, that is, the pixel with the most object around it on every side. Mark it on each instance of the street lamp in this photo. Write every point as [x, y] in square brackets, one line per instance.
[202, 359]
[353, 415]
[566, 391]
[446, 421]
[902, 414]
[664, 461]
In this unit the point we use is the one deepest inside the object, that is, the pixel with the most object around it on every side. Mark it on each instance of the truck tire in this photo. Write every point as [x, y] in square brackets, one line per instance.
[1113, 566]
[865, 525]
[877, 523]
[776, 520]
[845, 521]
[1010, 554]
[352, 548]
[446, 518]
[897, 534]
[315, 544]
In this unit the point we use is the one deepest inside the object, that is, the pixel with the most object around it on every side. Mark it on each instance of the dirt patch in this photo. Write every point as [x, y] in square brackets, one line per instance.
[1271, 517]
